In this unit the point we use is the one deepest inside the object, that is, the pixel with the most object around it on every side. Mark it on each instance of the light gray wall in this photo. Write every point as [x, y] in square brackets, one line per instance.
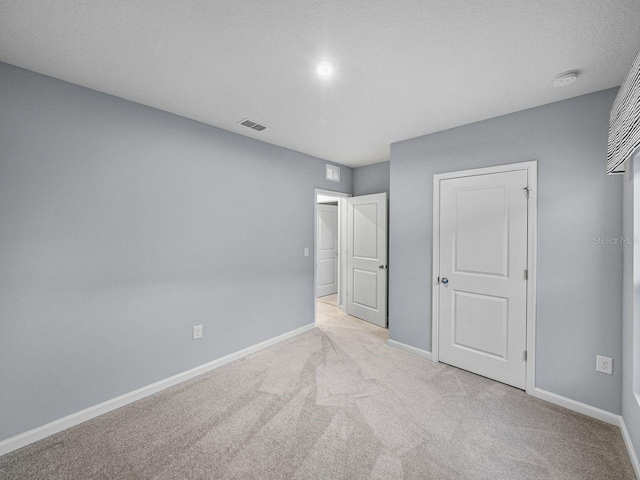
[371, 179]
[579, 284]
[121, 227]
[631, 304]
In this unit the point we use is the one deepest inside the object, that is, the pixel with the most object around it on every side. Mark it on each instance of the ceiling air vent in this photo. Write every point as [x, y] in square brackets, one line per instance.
[252, 125]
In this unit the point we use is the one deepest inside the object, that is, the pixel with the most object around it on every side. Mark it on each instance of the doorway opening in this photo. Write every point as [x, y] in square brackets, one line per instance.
[350, 250]
[330, 213]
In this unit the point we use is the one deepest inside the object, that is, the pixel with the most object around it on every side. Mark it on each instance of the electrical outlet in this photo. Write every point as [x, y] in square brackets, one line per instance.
[306, 251]
[604, 364]
[197, 332]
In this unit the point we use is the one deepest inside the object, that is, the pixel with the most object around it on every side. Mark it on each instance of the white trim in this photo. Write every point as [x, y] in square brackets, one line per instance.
[598, 414]
[632, 452]
[532, 265]
[342, 252]
[532, 227]
[573, 405]
[342, 232]
[435, 271]
[408, 348]
[23, 439]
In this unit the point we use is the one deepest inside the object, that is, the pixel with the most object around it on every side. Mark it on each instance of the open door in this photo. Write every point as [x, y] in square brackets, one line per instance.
[367, 258]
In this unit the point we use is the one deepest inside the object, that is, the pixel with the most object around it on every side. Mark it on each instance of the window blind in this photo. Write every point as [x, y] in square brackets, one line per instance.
[624, 121]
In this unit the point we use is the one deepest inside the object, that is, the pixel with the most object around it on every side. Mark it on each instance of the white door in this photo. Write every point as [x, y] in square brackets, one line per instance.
[483, 286]
[327, 250]
[367, 258]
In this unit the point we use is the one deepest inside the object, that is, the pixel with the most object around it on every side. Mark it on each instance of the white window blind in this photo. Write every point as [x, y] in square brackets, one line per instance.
[624, 122]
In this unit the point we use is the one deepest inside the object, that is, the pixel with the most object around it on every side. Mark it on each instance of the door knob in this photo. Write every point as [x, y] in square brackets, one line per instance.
[380, 266]
[445, 280]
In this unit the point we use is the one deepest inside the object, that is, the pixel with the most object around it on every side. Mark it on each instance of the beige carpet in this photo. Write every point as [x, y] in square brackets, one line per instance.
[333, 403]
[329, 299]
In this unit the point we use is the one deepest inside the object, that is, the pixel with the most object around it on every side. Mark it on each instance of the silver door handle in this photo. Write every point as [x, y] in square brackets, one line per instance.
[445, 280]
[380, 266]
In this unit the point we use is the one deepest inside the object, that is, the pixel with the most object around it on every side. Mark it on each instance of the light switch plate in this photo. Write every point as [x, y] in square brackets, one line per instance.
[306, 251]
[197, 332]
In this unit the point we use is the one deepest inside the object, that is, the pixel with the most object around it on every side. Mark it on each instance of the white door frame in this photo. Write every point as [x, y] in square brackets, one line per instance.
[342, 233]
[532, 234]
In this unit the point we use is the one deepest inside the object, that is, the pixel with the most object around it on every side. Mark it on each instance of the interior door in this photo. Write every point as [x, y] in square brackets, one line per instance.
[483, 286]
[367, 258]
[327, 250]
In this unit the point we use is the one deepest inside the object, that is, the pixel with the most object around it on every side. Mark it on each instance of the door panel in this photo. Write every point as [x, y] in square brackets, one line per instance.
[327, 254]
[327, 274]
[367, 258]
[480, 323]
[365, 288]
[365, 234]
[481, 226]
[483, 255]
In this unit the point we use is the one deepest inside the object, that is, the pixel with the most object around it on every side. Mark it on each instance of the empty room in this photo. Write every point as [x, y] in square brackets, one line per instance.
[320, 240]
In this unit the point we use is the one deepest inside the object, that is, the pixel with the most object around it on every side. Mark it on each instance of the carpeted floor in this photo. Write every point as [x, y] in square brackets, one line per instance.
[330, 299]
[333, 403]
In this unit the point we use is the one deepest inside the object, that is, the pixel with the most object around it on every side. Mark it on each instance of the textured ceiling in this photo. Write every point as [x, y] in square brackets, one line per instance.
[404, 69]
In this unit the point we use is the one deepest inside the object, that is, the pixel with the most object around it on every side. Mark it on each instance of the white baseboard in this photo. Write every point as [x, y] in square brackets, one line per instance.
[23, 439]
[597, 413]
[632, 452]
[409, 348]
[579, 407]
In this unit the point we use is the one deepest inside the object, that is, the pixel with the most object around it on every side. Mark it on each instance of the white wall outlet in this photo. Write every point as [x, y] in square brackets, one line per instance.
[604, 364]
[306, 251]
[197, 332]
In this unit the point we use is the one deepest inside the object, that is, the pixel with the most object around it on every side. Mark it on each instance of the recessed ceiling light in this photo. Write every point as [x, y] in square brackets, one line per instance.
[325, 69]
[565, 79]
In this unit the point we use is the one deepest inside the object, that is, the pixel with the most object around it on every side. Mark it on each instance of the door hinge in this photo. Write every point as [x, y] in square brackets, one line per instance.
[526, 191]
[526, 274]
[525, 355]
